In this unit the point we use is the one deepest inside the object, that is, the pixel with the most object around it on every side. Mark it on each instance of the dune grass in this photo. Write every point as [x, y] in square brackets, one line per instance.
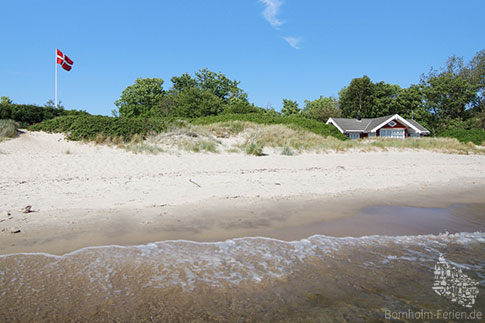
[138, 148]
[288, 140]
[8, 128]
[184, 137]
[254, 138]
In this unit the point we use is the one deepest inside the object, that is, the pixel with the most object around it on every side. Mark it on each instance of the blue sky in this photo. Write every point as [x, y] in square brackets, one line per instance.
[294, 49]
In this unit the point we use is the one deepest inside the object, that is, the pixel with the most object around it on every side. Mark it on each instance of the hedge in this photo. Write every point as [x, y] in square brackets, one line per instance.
[26, 114]
[476, 136]
[88, 127]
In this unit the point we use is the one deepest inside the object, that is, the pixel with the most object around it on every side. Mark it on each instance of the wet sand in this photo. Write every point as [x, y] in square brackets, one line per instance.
[432, 210]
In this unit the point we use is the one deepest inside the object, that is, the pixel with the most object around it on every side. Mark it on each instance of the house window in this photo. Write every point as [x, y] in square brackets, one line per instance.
[392, 133]
[354, 135]
[392, 124]
[415, 135]
[372, 134]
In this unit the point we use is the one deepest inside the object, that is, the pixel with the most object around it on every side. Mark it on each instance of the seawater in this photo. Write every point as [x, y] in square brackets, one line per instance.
[317, 279]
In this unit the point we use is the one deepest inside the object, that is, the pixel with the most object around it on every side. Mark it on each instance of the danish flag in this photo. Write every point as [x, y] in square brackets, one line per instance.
[64, 61]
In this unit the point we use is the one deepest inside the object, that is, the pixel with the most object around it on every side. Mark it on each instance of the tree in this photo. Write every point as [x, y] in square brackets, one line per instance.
[385, 99]
[238, 105]
[475, 74]
[447, 96]
[219, 85]
[195, 102]
[52, 104]
[290, 107]
[321, 109]
[141, 98]
[5, 100]
[207, 93]
[183, 82]
[475, 70]
[358, 98]
[409, 104]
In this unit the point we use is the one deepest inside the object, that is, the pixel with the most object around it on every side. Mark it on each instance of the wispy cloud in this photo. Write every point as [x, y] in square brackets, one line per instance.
[271, 11]
[293, 41]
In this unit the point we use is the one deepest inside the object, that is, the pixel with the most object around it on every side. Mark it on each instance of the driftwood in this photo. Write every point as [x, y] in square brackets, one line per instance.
[194, 183]
[27, 209]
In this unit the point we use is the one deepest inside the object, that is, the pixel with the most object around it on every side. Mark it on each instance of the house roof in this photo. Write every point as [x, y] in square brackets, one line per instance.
[417, 125]
[371, 125]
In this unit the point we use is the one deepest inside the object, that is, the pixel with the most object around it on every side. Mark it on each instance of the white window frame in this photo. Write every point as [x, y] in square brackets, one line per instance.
[393, 133]
[354, 135]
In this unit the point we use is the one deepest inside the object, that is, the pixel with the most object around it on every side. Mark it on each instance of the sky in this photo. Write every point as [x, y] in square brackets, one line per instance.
[293, 49]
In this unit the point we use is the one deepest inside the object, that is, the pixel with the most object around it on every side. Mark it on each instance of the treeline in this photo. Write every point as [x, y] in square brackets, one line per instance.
[450, 98]
[205, 94]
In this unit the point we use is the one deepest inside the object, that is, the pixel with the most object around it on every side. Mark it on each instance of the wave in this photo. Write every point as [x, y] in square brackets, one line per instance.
[255, 278]
[243, 259]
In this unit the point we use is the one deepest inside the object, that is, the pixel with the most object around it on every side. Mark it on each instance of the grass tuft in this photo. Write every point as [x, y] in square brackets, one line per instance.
[198, 146]
[138, 148]
[8, 128]
[254, 149]
[287, 151]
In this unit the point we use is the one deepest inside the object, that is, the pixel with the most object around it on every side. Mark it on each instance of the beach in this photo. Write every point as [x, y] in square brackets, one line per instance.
[116, 236]
[86, 195]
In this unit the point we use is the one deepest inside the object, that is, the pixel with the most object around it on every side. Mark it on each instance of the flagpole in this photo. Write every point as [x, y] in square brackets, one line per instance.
[56, 79]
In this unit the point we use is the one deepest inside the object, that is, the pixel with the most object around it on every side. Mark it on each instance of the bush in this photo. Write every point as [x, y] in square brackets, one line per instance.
[27, 115]
[8, 128]
[254, 149]
[241, 106]
[314, 126]
[473, 135]
[93, 128]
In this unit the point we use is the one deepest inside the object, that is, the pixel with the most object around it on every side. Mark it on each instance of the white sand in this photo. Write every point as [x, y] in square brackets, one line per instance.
[56, 176]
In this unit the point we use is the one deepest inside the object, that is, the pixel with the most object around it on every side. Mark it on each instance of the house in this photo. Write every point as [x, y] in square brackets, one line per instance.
[393, 126]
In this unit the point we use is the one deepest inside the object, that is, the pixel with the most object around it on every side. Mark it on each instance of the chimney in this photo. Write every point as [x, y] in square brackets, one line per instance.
[358, 117]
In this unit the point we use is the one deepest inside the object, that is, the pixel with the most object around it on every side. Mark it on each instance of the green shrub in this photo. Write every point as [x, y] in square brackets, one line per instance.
[8, 128]
[473, 135]
[101, 128]
[314, 126]
[200, 145]
[254, 149]
[27, 115]
[144, 148]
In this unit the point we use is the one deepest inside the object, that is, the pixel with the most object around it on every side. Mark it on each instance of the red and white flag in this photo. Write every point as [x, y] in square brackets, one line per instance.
[64, 61]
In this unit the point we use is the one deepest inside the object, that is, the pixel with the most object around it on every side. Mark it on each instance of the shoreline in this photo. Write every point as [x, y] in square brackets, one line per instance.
[287, 219]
